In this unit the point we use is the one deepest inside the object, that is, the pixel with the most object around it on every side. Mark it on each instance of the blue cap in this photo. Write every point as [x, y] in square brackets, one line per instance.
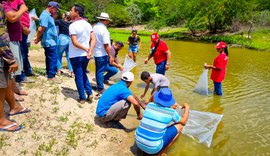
[54, 4]
[164, 97]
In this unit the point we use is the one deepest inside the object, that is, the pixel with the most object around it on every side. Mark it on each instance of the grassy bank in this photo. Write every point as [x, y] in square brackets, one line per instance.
[260, 38]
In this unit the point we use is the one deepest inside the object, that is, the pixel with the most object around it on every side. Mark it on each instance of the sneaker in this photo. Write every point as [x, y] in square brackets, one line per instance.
[54, 80]
[27, 80]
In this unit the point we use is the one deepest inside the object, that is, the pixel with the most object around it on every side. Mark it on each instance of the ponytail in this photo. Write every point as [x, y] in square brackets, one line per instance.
[226, 51]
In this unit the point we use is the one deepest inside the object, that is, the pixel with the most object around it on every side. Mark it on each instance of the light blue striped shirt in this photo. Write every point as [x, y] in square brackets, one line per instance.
[153, 126]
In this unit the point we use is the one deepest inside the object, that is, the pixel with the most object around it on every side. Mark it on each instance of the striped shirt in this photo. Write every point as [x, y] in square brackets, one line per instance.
[149, 134]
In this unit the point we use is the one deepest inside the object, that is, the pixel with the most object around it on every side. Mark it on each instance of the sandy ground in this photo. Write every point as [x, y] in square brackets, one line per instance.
[59, 125]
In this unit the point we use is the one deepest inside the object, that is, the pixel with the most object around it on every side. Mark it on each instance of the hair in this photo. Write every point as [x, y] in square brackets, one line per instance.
[134, 30]
[121, 44]
[145, 75]
[80, 9]
[226, 51]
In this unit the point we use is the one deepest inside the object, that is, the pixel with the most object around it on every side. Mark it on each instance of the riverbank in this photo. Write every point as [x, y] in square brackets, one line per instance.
[58, 124]
[258, 40]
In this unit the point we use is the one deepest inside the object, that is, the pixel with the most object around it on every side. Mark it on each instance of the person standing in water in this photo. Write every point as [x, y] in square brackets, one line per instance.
[134, 43]
[219, 67]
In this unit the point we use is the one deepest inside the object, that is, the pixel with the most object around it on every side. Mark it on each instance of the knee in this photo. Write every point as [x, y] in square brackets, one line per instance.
[179, 127]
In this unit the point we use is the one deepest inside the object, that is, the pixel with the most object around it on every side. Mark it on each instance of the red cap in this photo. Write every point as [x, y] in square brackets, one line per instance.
[221, 45]
[154, 37]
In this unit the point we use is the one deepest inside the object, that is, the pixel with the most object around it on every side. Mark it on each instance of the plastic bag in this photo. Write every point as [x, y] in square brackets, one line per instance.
[201, 125]
[129, 64]
[33, 27]
[202, 84]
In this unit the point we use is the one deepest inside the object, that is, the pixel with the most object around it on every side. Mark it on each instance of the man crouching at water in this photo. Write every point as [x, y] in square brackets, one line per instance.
[154, 133]
[115, 101]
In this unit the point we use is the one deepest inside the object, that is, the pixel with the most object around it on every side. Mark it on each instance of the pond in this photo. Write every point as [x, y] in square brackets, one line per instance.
[245, 104]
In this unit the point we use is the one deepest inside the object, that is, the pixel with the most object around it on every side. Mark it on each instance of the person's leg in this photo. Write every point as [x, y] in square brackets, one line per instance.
[68, 60]
[160, 68]
[51, 61]
[117, 111]
[111, 70]
[218, 88]
[60, 51]
[87, 86]
[77, 65]
[24, 51]
[100, 63]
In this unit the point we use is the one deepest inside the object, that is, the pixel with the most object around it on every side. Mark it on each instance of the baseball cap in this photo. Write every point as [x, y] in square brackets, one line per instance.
[221, 45]
[154, 37]
[54, 4]
[164, 97]
[127, 76]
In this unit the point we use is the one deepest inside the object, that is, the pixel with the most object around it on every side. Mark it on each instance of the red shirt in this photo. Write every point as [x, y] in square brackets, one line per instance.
[220, 62]
[160, 55]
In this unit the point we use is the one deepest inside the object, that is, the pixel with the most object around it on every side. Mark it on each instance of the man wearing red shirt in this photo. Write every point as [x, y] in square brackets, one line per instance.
[160, 53]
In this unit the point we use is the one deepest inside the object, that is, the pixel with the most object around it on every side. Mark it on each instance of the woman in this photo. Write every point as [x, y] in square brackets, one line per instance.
[219, 67]
[134, 43]
[63, 42]
[81, 34]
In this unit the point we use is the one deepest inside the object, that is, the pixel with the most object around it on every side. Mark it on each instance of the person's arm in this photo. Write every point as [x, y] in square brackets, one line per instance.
[117, 65]
[92, 45]
[40, 31]
[136, 104]
[139, 43]
[147, 59]
[208, 66]
[185, 115]
[77, 44]
[145, 90]
[108, 51]
[14, 16]
[168, 52]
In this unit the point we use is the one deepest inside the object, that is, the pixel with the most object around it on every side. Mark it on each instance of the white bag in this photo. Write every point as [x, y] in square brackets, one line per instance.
[202, 84]
[129, 64]
[33, 27]
[201, 125]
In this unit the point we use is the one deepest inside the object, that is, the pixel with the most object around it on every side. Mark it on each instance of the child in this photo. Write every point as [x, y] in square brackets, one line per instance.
[219, 67]
[153, 134]
[134, 43]
[159, 81]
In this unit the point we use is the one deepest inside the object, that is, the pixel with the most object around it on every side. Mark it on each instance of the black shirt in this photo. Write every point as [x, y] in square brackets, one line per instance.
[63, 26]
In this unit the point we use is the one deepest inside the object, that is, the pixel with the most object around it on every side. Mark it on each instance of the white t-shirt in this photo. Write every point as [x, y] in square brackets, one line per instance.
[160, 80]
[82, 30]
[102, 37]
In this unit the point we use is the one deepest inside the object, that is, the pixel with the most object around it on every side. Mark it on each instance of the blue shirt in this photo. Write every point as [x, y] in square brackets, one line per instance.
[153, 126]
[113, 94]
[49, 36]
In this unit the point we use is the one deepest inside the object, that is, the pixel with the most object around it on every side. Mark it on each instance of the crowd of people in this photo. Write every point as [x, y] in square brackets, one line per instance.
[160, 123]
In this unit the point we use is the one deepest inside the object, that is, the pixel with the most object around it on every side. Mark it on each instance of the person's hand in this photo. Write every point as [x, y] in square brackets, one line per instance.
[89, 54]
[206, 66]
[23, 8]
[26, 31]
[167, 67]
[13, 67]
[185, 106]
[121, 68]
[142, 96]
[111, 59]
[36, 40]
[145, 61]
[139, 117]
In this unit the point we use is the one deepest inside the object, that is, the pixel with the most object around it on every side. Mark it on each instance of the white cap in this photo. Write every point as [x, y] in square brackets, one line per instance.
[104, 16]
[127, 76]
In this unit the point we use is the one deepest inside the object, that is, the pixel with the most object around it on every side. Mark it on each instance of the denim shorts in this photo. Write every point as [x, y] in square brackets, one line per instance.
[133, 48]
[218, 88]
[171, 132]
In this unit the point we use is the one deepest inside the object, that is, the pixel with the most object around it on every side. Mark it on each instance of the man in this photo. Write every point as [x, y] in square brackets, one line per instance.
[7, 65]
[159, 81]
[160, 53]
[111, 69]
[115, 102]
[154, 135]
[80, 50]
[101, 51]
[47, 34]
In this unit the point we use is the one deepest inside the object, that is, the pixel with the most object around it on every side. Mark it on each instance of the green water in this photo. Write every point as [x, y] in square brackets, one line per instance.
[245, 104]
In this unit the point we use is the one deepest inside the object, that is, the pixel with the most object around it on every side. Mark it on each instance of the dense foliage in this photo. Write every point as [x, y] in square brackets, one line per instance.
[196, 15]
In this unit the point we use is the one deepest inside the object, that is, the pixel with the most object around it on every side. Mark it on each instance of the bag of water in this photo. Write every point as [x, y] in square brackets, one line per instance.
[202, 84]
[129, 64]
[33, 26]
[201, 126]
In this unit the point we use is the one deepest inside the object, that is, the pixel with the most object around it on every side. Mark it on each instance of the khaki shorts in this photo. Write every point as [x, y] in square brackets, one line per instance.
[3, 78]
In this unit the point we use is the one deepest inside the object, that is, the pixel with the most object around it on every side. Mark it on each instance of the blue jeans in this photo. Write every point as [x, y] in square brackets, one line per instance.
[24, 50]
[218, 88]
[111, 70]
[62, 45]
[101, 64]
[79, 65]
[160, 68]
[51, 61]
